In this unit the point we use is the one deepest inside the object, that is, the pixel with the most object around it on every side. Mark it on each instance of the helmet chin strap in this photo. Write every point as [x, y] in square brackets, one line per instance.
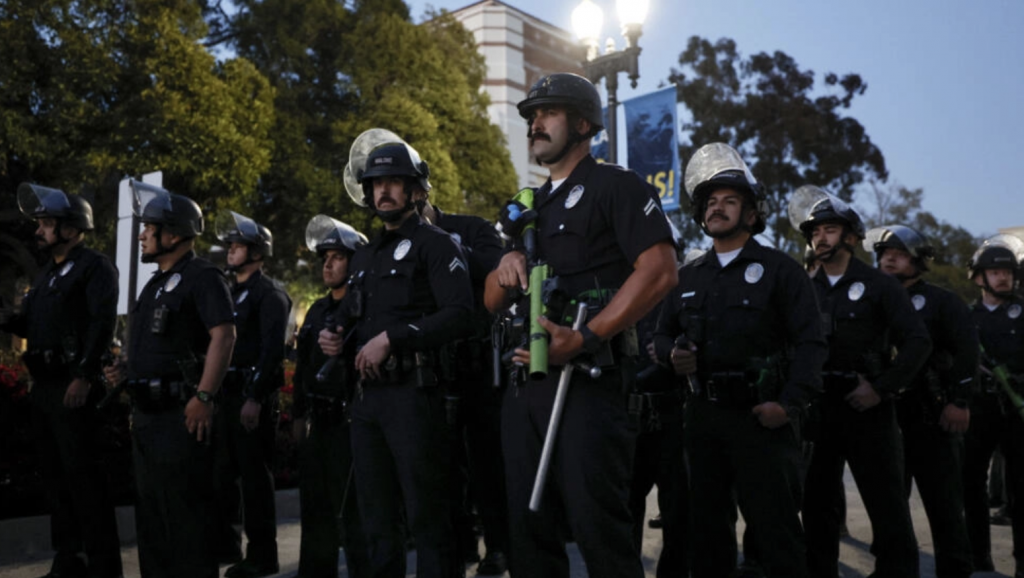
[160, 248]
[57, 232]
[248, 259]
[1000, 294]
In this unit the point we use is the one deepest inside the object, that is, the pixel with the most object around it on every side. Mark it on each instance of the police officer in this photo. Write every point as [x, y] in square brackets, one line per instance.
[867, 314]
[656, 405]
[416, 296]
[181, 334]
[321, 400]
[933, 413]
[996, 421]
[478, 443]
[601, 230]
[68, 318]
[247, 418]
[743, 329]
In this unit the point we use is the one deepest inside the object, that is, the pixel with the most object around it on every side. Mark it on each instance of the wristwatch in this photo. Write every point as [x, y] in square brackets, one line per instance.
[204, 396]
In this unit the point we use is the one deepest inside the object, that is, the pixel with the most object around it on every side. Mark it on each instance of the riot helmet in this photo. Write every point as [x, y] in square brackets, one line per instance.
[999, 252]
[811, 206]
[231, 227]
[394, 160]
[175, 214]
[567, 90]
[324, 233]
[879, 239]
[570, 91]
[717, 166]
[38, 202]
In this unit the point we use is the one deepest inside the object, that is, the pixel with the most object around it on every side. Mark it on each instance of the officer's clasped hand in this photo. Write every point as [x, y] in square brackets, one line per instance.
[864, 396]
[514, 218]
[684, 362]
[331, 342]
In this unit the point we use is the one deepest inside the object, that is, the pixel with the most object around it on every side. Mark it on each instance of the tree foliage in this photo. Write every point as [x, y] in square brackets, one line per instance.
[340, 70]
[790, 134]
[92, 90]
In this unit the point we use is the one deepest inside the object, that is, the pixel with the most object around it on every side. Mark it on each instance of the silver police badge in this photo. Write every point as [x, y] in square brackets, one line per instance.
[67, 268]
[574, 196]
[1014, 311]
[753, 273]
[242, 296]
[172, 282]
[856, 291]
[402, 249]
[918, 301]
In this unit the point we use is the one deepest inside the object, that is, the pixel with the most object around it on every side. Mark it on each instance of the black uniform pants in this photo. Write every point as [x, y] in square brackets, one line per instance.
[660, 460]
[992, 427]
[481, 411]
[174, 497]
[81, 511]
[730, 450]
[934, 459]
[870, 442]
[588, 483]
[327, 492]
[246, 457]
[401, 446]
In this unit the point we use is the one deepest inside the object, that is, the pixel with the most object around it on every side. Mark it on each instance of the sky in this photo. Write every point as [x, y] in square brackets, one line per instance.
[945, 81]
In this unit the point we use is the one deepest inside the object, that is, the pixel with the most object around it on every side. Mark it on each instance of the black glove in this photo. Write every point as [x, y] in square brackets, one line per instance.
[514, 217]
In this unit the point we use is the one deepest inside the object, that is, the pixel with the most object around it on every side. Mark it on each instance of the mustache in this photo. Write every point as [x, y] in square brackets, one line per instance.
[540, 136]
[718, 216]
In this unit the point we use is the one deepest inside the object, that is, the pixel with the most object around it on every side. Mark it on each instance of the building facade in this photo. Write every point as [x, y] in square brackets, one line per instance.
[518, 49]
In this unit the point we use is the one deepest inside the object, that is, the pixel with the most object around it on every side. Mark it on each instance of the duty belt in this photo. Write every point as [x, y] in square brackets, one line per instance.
[730, 389]
[235, 380]
[46, 363]
[157, 394]
[330, 409]
[839, 382]
[403, 367]
[652, 409]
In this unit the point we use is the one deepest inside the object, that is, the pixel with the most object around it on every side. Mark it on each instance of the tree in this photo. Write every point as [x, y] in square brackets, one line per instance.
[767, 108]
[96, 89]
[954, 246]
[339, 71]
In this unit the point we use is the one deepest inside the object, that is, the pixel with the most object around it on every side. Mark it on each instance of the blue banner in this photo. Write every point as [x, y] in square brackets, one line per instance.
[599, 143]
[653, 144]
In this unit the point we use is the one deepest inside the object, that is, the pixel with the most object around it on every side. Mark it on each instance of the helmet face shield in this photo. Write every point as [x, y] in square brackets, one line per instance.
[716, 161]
[37, 202]
[230, 227]
[810, 205]
[999, 252]
[360, 150]
[150, 203]
[324, 233]
[897, 237]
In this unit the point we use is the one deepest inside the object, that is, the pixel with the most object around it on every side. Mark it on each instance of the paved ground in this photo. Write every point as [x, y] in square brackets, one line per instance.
[22, 543]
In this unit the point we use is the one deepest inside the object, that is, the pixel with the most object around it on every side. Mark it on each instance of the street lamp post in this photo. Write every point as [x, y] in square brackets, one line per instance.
[586, 20]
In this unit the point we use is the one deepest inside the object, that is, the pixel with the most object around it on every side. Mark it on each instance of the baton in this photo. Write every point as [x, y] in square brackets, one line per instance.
[556, 415]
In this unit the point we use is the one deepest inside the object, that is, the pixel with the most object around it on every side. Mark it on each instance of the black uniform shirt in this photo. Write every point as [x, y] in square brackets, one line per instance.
[596, 224]
[1002, 333]
[480, 244]
[75, 300]
[194, 297]
[954, 339]
[415, 286]
[261, 320]
[309, 358]
[868, 313]
[758, 306]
